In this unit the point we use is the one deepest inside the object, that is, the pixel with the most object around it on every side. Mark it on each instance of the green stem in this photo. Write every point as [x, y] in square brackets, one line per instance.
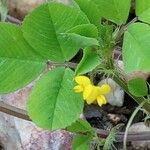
[129, 124]
[139, 100]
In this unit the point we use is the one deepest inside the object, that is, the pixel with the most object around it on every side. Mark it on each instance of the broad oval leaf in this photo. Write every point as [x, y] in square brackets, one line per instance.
[138, 87]
[45, 30]
[91, 10]
[143, 10]
[19, 64]
[136, 48]
[89, 61]
[53, 104]
[116, 11]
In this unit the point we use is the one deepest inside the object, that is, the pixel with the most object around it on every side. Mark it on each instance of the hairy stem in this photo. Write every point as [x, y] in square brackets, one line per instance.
[123, 29]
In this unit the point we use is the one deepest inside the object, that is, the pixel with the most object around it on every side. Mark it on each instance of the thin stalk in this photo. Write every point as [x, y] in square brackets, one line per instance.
[13, 111]
[129, 124]
[123, 29]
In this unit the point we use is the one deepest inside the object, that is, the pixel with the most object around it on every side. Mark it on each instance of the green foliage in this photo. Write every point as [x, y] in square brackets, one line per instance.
[53, 103]
[81, 142]
[46, 30]
[80, 126]
[55, 32]
[110, 140]
[89, 61]
[138, 87]
[136, 48]
[84, 134]
[116, 11]
[143, 10]
[88, 30]
[17, 60]
[91, 10]
[106, 39]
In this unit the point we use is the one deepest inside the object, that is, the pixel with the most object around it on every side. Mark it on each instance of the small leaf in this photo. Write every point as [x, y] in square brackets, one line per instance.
[143, 10]
[111, 139]
[136, 48]
[89, 61]
[116, 11]
[19, 64]
[90, 9]
[106, 38]
[80, 126]
[53, 104]
[81, 142]
[45, 30]
[138, 87]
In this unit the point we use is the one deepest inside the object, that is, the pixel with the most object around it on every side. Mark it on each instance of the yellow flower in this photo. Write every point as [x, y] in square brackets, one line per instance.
[104, 89]
[101, 100]
[83, 82]
[91, 92]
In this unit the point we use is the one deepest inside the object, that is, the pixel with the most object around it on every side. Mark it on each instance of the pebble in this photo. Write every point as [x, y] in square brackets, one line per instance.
[116, 96]
[140, 145]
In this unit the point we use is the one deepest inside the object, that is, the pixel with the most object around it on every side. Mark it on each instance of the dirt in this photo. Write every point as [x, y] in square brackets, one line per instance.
[20, 8]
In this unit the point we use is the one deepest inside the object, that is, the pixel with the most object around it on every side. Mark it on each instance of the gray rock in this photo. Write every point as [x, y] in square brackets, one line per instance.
[140, 145]
[116, 96]
[18, 134]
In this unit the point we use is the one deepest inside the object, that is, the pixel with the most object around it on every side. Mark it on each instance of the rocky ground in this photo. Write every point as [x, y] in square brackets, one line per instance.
[18, 134]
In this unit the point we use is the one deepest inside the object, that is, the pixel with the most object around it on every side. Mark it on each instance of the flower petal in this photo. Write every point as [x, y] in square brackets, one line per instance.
[82, 80]
[101, 100]
[78, 89]
[90, 94]
[87, 91]
[104, 89]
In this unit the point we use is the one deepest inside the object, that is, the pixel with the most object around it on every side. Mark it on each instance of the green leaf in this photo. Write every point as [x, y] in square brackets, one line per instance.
[136, 48]
[46, 27]
[143, 10]
[116, 11]
[88, 30]
[19, 64]
[89, 61]
[81, 142]
[106, 38]
[73, 4]
[53, 104]
[72, 40]
[91, 10]
[80, 126]
[111, 139]
[138, 87]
